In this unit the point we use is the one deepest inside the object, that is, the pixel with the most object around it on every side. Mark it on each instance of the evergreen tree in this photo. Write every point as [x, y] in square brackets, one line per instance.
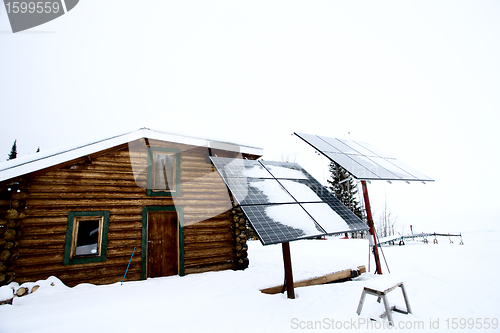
[13, 151]
[343, 186]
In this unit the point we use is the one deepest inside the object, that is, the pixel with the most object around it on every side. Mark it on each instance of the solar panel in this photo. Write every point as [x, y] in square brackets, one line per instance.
[329, 220]
[283, 202]
[281, 223]
[362, 160]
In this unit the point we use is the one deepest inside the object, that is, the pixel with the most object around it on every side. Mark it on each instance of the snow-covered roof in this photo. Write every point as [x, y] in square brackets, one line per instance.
[34, 162]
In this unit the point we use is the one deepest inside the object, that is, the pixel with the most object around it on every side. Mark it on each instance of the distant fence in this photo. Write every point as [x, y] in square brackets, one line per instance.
[392, 240]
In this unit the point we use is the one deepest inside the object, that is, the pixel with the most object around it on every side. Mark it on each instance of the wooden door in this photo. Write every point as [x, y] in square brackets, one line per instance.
[163, 244]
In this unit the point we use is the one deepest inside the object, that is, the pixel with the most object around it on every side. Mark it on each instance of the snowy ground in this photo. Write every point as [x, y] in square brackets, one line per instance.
[449, 286]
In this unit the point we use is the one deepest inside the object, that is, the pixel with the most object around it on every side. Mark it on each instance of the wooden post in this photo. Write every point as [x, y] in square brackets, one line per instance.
[369, 217]
[287, 261]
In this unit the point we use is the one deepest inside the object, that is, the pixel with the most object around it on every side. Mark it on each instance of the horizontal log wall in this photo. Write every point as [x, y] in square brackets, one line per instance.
[108, 182]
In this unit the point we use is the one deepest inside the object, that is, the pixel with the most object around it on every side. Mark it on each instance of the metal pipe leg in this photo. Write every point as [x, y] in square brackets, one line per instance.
[408, 308]
[388, 310]
[361, 302]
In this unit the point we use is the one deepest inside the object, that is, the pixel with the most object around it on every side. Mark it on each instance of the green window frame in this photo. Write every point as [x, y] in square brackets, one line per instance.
[78, 227]
[157, 177]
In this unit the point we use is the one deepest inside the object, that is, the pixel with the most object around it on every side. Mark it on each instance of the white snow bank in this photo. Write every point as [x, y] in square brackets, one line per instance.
[6, 293]
[443, 281]
[43, 287]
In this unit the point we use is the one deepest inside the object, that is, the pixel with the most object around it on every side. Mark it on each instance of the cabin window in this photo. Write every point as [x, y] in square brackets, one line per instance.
[86, 237]
[164, 172]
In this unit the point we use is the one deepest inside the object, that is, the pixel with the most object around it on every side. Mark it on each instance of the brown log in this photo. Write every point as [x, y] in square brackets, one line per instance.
[195, 205]
[197, 262]
[20, 196]
[3, 278]
[42, 189]
[99, 276]
[242, 254]
[43, 241]
[208, 268]
[10, 234]
[42, 249]
[40, 259]
[5, 255]
[241, 238]
[212, 247]
[205, 238]
[22, 291]
[207, 253]
[82, 181]
[114, 243]
[8, 245]
[18, 204]
[341, 275]
[35, 288]
[3, 266]
[43, 221]
[11, 224]
[120, 234]
[11, 214]
[48, 229]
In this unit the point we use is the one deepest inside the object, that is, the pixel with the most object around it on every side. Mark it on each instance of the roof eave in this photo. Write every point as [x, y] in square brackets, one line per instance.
[39, 161]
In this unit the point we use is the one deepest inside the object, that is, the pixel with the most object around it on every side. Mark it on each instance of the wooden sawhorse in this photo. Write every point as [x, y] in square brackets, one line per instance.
[382, 294]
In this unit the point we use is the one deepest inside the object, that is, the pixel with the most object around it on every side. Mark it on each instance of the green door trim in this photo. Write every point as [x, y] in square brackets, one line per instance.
[180, 213]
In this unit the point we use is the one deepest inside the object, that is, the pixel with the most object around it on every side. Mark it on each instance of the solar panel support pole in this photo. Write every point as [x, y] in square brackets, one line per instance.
[287, 261]
[378, 266]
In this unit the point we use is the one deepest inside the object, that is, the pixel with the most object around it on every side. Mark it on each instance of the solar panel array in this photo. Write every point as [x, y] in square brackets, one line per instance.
[283, 202]
[362, 160]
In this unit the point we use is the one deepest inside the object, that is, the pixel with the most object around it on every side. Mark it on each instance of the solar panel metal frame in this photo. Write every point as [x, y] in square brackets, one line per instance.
[362, 160]
[287, 175]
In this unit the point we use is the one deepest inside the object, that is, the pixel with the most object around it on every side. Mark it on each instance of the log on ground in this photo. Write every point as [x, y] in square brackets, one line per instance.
[337, 276]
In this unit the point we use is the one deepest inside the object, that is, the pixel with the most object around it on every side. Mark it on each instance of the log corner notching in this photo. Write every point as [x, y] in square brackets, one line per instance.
[239, 228]
[12, 212]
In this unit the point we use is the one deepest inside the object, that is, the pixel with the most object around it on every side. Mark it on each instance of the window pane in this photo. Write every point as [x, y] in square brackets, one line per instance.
[164, 172]
[87, 237]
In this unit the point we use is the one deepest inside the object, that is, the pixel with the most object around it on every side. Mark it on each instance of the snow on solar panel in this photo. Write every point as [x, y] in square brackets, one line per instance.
[240, 168]
[285, 170]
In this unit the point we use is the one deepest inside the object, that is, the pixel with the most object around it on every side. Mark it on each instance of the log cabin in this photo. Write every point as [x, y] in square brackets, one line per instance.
[80, 212]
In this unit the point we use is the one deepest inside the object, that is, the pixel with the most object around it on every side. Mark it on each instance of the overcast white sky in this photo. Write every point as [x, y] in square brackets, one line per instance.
[418, 79]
